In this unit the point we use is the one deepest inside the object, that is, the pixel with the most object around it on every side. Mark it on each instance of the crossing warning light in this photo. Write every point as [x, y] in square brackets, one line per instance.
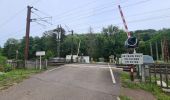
[131, 42]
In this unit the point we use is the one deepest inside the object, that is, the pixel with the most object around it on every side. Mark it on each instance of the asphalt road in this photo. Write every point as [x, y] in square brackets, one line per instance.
[68, 82]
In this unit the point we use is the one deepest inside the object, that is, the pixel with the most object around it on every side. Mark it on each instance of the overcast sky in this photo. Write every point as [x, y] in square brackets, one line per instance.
[79, 15]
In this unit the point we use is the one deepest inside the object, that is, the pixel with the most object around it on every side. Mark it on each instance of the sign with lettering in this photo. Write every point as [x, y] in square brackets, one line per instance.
[135, 59]
[40, 53]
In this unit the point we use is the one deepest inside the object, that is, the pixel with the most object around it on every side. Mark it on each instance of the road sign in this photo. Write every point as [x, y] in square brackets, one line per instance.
[40, 53]
[135, 59]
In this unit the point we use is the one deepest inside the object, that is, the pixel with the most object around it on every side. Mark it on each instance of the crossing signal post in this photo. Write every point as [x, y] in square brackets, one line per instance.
[131, 43]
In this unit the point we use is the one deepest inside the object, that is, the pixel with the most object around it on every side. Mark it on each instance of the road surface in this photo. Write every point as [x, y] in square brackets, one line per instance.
[68, 82]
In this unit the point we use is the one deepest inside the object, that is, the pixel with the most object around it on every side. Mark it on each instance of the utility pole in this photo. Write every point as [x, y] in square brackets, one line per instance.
[27, 32]
[151, 49]
[58, 38]
[162, 49]
[166, 50]
[157, 56]
[16, 55]
[72, 46]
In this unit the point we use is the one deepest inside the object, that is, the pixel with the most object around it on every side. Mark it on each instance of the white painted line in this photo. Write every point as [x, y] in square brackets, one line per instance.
[53, 69]
[91, 67]
[111, 72]
[118, 98]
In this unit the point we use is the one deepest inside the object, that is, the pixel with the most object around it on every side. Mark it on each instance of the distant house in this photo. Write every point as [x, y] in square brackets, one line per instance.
[79, 59]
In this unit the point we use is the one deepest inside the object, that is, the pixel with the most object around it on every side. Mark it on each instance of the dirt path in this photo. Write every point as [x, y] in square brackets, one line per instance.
[137, 94]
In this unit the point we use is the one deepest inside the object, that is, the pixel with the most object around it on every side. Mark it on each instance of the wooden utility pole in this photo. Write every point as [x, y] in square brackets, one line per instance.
[27, 32]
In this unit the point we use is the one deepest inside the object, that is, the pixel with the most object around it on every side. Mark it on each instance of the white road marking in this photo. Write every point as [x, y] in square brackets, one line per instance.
[53, 69]
[89, 66]
[101, 66]
[111, 72]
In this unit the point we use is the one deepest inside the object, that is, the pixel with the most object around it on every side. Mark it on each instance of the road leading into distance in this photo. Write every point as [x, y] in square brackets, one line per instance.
[68, 82]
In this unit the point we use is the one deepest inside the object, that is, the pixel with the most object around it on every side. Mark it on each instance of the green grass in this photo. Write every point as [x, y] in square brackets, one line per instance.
[15, 76]
[154, 89]
[124, 98]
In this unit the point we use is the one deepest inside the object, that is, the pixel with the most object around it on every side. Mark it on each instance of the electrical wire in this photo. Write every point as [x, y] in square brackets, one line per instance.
[76, 8]
[130, 16]
[144, 19]
[11, 18]
[36, 2]
[100, 27]
[139, 20]
[102, 12]
[98, 8]
[15, 15]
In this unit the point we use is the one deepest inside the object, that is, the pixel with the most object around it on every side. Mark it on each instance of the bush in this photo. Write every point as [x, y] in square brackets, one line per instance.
[3, 65]
[7, 68]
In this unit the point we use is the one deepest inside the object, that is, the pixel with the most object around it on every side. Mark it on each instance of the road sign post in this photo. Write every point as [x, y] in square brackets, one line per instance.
[40, 53]
[132, 59]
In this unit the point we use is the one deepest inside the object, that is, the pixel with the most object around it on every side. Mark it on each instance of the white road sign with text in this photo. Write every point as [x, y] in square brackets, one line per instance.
[40, 53]
[135, 59]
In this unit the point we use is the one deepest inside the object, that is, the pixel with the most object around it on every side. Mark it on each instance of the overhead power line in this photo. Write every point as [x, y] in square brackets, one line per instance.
[133, 15]
[100, 27]
[35, 2]
[137, 3]
[76, 8]
[43, 19]
[44, 13]
[97, 8]
[11, 18]
[135, 21]
[101, 11]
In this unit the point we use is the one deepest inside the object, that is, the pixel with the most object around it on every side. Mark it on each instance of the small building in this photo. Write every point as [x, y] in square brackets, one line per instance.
[84, 59]
[78, 59]
[68, 58]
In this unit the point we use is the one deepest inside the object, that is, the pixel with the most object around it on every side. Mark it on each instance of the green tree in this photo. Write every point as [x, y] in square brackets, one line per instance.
[10, 48]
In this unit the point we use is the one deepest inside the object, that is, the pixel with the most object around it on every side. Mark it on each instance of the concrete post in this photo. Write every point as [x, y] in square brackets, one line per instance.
[140, 70]
[46, 63]
[40, 62]
[36, 64]
[143, 73]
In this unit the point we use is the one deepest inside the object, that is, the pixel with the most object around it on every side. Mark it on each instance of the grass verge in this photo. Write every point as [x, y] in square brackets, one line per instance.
[15, 76]
[154, 89]
[124, 98]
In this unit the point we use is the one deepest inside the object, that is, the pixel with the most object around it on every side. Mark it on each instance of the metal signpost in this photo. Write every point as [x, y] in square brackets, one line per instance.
[40, 53]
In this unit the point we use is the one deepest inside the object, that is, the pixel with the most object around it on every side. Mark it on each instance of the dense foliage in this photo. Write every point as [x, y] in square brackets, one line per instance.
[96, 45]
